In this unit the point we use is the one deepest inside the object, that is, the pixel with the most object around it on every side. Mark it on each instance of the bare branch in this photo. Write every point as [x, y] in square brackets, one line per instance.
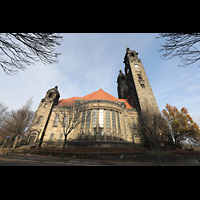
[182, 45]
[21, 49]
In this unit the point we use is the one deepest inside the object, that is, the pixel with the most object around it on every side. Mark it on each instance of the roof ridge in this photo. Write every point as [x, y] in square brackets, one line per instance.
[89, 95]
[100, 91]
[112, 97]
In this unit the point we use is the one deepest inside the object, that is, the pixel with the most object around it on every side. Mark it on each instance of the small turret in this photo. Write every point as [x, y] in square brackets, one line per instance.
[52, 95]
[42, 116]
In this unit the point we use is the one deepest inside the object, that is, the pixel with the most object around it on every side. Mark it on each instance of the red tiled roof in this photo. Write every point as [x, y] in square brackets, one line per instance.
[70, 101]
[100, 94]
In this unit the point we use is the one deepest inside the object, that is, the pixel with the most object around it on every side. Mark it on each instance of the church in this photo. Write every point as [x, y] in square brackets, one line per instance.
[106, 121]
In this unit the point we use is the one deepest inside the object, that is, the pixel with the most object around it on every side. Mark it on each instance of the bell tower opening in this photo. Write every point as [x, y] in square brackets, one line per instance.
[50, 94]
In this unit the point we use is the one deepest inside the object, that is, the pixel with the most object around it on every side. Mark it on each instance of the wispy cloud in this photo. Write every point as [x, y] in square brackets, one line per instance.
[187, 101]
[193, 88]
[182, 76]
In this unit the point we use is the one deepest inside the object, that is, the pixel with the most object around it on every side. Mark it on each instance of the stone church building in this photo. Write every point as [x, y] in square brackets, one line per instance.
[107, 121]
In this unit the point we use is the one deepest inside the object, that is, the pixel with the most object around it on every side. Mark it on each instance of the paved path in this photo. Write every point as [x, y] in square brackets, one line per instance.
[31, 160]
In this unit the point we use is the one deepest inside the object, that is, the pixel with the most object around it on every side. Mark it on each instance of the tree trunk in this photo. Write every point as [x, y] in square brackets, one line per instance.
[157, 155]
[156, 149]
[12, 141]
[64, 144]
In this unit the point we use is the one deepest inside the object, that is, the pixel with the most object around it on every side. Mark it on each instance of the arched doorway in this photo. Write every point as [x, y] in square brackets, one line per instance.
[32, 138]
[137, 139]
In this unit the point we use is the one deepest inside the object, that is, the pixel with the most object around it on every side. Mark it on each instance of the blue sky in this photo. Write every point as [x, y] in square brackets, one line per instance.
[92, 61]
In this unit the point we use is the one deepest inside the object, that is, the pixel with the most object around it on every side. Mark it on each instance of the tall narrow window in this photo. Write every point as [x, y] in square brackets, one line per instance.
[51, 137]
[139, 76]
[107, 118]
[113, 120]
[133, 122]
[101, 118]
[94, 118]
[65, 120]
[118, 121]
[83, 120]
[88, 119]
[40, 119]
[56, 121]
[61, 137]
[108, 133]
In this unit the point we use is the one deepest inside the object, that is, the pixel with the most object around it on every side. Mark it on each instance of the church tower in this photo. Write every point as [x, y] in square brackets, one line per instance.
[137, 90]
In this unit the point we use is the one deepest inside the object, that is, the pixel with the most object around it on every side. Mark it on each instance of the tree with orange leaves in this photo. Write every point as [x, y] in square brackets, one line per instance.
[181, 124]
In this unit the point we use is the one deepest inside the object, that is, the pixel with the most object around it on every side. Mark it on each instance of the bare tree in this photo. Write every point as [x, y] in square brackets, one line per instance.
[69, 116]
[183, 45]
[19, 121]
[17, 50]
[153, 127]
[4, 117]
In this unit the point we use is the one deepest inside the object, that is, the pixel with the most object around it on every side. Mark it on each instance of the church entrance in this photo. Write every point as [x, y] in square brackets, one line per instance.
[32, 138]
[137, 139]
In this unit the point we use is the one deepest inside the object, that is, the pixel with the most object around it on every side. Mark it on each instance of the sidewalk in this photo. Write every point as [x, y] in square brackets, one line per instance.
[70, 161]
[95, 161]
